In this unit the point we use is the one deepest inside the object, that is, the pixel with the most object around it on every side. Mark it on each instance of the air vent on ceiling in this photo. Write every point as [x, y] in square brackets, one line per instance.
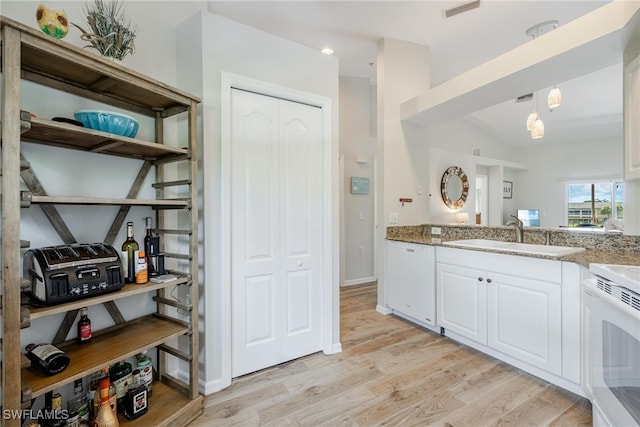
[464, 7]
[524, 98]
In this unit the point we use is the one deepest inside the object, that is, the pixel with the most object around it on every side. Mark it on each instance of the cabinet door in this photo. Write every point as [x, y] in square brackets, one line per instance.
[410, 283]
[462, 301]
[524, 320]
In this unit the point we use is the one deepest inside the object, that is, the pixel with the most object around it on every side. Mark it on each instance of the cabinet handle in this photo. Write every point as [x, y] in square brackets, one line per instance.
[488, 280]
[480, 279]
[410, 250]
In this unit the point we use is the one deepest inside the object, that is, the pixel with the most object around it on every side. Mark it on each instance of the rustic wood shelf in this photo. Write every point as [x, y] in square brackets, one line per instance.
[58, 134]
[126, 291]
[106, 349]
[59, 64]
[84, 201]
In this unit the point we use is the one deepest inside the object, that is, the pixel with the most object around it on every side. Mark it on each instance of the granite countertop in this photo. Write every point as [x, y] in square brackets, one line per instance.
[583, 258]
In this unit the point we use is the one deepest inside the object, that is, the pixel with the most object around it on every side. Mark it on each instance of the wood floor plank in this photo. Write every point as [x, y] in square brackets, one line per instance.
[317, 413]
[487, 408]
[578, 415]
[541, 409]
[392, 373]
[322, 389]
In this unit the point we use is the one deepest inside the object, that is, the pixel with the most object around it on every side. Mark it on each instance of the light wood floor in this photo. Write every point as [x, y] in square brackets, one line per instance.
[393, 373]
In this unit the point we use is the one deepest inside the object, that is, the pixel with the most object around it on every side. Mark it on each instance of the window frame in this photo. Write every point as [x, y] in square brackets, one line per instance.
[613, 182]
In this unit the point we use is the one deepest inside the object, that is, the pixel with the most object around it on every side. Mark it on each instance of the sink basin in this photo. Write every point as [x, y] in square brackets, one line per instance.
[524, 248]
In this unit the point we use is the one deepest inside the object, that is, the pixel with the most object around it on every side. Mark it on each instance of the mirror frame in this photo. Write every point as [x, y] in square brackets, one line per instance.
[454, 171]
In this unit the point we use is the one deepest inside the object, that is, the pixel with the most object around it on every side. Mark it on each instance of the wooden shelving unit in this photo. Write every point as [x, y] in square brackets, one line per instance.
[27, 54]
[105, 349]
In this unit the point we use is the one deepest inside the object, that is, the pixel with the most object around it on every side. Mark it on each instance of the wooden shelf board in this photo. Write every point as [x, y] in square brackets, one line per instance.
[58, 134]
[65, 200]
[62, 65]
[126, 291]
[107, 349]
[167, 406]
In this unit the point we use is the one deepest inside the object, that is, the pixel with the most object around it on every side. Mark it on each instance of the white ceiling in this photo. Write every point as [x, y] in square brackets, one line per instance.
[592, 105]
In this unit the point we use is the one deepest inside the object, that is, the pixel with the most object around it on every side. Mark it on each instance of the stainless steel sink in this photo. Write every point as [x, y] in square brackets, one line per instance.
[524, 248]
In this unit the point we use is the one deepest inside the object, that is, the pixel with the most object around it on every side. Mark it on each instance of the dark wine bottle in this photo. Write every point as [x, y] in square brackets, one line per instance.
[120, 376]
[53, 415]
[136, 399]
[84, 327]
[130, 255]
[150, 249]
[48, 358]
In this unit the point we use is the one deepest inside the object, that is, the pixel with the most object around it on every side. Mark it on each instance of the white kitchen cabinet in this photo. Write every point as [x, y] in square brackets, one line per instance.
[509, 303]
[410, 280]
[524, 318]
[461, 301]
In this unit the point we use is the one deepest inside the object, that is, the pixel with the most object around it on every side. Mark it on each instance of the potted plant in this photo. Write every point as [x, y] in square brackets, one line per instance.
[111, 31]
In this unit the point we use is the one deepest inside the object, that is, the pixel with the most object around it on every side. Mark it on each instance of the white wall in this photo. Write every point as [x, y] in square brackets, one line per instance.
[357, 143]
[551, 166]
[214, 44]
[403, 71]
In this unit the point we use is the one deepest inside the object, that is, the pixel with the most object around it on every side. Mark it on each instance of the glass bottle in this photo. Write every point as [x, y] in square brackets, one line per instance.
[149, 248]
[84, 327]
[53, 416]
[120, 376]
[104, 373]
[145, 365]
[48, 358]
[129, 255]
[105, 416]
[141, 269]
[136, 401]
[78, 405]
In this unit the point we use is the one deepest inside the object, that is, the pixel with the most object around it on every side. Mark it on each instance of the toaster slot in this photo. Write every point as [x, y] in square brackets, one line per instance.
[114, 275]
[59, 284]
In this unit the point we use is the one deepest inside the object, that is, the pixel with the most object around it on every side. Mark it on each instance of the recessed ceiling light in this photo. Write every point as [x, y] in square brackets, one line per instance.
[327, 51]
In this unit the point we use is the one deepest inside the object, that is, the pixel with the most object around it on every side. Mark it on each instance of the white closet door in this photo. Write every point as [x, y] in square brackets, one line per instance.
[275, 230]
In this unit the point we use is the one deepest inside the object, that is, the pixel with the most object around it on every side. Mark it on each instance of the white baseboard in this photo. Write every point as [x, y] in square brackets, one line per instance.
[384, 310]
[210, 387]
[336, 348]
[362, 280]
[205, 388]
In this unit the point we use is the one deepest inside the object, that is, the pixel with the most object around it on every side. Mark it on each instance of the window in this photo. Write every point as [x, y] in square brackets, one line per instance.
[590, 203]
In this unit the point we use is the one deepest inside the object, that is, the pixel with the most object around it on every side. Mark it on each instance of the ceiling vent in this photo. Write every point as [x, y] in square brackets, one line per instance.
[524, 98]
[464, 7]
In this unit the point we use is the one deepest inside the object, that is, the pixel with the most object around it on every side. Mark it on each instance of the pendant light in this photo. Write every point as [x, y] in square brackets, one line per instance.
[537, 127]
[537, 131]
[554, 98]
[533, 116]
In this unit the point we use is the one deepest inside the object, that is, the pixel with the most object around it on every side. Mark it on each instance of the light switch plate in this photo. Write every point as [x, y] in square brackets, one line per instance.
[436, 230]
[393, 218]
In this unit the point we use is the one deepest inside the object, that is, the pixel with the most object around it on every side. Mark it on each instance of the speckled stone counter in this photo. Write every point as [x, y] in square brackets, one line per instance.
[605, 248]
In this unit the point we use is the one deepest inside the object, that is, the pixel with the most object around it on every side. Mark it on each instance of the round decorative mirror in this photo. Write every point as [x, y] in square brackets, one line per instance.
[454, 187]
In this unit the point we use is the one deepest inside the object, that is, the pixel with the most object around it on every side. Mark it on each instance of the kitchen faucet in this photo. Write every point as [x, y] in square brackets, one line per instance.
[518, 227]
